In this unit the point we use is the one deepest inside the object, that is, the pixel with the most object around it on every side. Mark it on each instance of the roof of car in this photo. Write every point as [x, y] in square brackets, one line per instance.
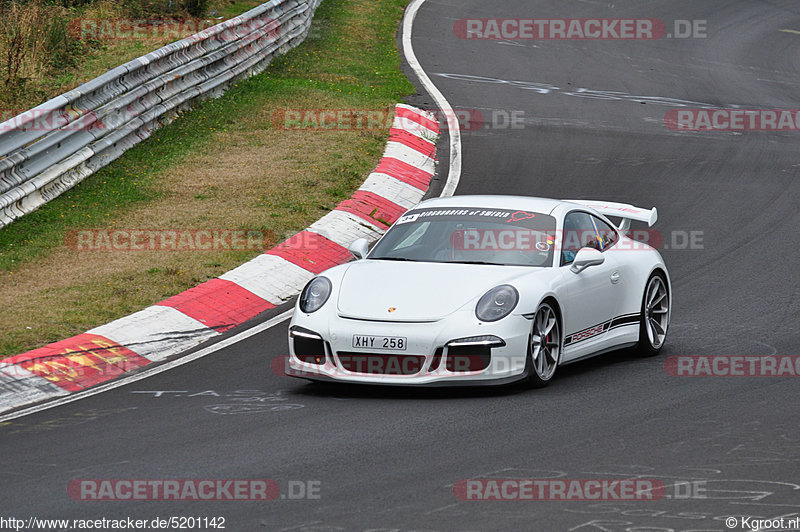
[528, 203]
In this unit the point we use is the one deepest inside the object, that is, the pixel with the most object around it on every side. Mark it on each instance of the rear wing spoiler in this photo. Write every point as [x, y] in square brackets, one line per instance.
[621, 210]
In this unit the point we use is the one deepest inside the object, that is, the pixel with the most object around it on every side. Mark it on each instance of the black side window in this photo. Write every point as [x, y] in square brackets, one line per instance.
[579, 232]
[582, 230]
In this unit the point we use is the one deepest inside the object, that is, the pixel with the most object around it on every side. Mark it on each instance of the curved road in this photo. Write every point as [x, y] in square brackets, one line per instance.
[386, 459]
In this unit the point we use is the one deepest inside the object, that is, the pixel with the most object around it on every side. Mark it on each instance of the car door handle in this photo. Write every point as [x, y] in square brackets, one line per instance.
[615, 277]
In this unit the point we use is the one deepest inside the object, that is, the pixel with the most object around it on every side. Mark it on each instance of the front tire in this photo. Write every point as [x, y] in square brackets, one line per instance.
[654, 319]
[544, 347]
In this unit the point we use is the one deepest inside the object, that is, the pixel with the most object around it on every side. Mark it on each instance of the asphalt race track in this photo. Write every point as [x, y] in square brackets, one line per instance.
[592, 126]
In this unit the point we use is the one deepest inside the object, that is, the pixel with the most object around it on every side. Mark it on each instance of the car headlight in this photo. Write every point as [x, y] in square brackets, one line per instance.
[497, 303]
[315, 294]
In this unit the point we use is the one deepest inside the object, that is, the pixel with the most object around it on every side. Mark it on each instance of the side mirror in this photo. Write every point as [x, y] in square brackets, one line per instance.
[359, 248]
[586, 257]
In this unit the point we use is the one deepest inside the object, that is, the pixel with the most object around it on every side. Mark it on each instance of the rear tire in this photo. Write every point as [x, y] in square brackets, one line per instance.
[654, 318]
[544, 346]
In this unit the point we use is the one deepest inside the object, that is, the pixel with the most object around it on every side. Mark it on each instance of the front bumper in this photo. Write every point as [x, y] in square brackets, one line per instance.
[322, 348]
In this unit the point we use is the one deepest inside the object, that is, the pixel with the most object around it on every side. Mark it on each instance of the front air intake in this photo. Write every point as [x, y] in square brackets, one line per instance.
[308, 346]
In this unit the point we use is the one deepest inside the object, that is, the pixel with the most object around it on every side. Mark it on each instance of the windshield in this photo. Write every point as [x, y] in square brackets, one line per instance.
[470, 236]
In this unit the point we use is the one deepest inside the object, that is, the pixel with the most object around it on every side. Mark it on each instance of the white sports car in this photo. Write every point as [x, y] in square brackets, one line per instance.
[484, 290]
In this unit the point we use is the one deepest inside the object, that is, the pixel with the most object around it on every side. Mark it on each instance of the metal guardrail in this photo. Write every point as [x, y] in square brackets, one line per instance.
[50, 148]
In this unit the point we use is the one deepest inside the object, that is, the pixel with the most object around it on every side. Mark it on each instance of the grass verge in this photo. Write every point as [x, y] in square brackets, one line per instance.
[222, 166]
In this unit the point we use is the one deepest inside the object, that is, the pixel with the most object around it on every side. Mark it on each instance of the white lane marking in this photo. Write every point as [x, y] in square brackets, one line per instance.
[454, 174]
[582, 92]
[280, 318]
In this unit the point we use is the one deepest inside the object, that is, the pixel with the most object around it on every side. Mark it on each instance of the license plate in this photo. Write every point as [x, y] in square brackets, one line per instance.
[391, 343]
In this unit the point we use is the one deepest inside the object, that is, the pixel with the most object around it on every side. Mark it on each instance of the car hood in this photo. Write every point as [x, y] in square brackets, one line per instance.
[417, 291]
